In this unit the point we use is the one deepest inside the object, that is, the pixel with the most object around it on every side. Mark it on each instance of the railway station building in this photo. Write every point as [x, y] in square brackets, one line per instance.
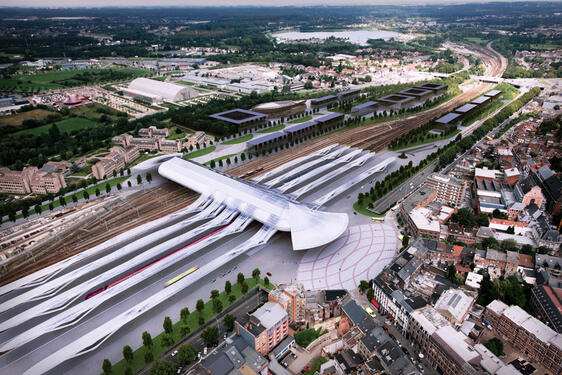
[302, 130]
[349, 95]
[274, 210]
[331, 121]
[437, 88]
[420, 95]
[450, 119]
[466, 111]
[481, 100]
[493, 94]
[282, 108]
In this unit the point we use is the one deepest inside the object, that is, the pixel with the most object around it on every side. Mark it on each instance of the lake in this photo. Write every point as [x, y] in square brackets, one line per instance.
[354, 36]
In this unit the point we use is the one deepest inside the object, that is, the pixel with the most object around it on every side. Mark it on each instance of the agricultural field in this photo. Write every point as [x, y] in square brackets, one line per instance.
[18, 118]
[65, 126]
[68, 78]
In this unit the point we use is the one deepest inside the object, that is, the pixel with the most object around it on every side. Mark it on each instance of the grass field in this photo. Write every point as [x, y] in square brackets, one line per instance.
[224, 157]
[235, 141]
[53, 80]
[65, 126]
[300, 120]
[90, 111]
[18, 118]
[545, 46]
[272, 129]
[192, 322]
[426, 141]
[173, 135]
[196, 154]
[476, 40]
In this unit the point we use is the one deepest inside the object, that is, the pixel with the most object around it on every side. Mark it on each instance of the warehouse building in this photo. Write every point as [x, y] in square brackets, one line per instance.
[152, 91]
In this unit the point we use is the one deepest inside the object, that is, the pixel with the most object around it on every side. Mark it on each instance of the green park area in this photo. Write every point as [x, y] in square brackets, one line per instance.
[18, 118]
[220, 159]
[424, 138]
[65, 126]
[189, 322]
[272, 129]
[238, 140]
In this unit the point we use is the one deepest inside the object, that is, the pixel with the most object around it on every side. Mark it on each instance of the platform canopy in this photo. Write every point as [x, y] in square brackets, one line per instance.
[309, 228]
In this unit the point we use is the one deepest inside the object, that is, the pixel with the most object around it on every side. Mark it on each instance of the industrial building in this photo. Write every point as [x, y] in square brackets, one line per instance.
[152, 91]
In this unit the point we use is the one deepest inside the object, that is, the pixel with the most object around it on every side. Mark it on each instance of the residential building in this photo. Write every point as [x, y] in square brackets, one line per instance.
[235, 358]
[487, 174]
[527, 192]
[547, 303]
[532, 337]
[116, 160]
[455, 304]
[265, 328]
[449, 189]
[46, 182]
[153, 131]
[169, 146]
[292, 298]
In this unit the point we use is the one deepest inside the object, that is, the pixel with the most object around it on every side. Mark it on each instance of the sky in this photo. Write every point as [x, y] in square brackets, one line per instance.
[163, 3]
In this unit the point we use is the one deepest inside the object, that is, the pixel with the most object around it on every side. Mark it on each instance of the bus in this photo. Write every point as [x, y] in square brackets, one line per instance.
[181, 276]
[377, 219]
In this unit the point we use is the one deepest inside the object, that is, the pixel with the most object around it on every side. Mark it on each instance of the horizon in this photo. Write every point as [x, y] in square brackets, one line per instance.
[69, 4]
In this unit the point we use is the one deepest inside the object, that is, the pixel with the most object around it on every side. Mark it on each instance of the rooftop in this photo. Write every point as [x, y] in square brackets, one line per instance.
[432, 86]
[481, 100]
[415, 92]
[493, 93]
[270, 314]
[396, 99]
[271, 208]
[466, 108]
[238, 116]
[448, 118]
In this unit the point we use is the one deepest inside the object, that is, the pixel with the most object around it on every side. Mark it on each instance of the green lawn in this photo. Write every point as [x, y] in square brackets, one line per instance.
[173, 135]
[272, 129]
[365, 211]
[95, 111]
[192, 322]
[477, 40]
[220, 158]
[196, 154]
[65, 126]
[235, 141]
[300, 120]
[426, 141]
[143, 157]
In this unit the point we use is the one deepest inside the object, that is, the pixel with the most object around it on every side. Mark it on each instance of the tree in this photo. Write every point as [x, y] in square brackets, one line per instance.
[184, 314]
[201, 320]
[107, 367]
[227, 287]
[214, 294]
[482, 220]
[148, 357]
[51, 207]
[97, 192]
[495, 345]
[464, 217]
[139, 179]
[228, 322]
[231, 298]
[210, 335]
[405, 240]
[62, 201]
[244, 287]
[363, 286]
[128, 371]
[107, 188]
[129, 184]
[127, 353]
[240, 278]
[266, 281]
[38, 209]
[167, 339]
[217, 305]
[168, 327]
[163, 368]
[256, 273]
[114, 173]
[200, 305]
[147, 339]
[510, 230]
[213, 164]
[119, 187]
[509, 244]
[490, 242]
[370, 294]
[185, 330]
[128, 171]
[187, 354]
[148, 177]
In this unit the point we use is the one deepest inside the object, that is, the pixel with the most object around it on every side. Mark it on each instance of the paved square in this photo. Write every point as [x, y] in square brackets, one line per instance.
[360, 254]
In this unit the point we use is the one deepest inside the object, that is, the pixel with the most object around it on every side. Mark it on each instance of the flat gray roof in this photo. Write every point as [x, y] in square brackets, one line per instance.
[466, 108]
[448, 118]
[396, 99]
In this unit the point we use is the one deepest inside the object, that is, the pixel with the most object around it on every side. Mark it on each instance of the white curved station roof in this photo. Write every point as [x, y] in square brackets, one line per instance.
[309, 228]
[158, 89]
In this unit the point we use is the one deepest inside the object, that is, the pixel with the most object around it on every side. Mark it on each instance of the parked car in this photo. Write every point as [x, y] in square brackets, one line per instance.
[174, 353]
[385, 328]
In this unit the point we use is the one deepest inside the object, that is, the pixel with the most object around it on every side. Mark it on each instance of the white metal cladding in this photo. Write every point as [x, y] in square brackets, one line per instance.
[165, 90]
[45, 274]
[96, 337]
[308, 228]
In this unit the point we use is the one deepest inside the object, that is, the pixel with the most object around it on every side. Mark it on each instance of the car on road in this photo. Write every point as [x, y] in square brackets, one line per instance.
[268, 273]
[392, 336]
[179, 370]
[212, 281]
[306, 368]
[371, 312]
[385, 328]
[174, 353]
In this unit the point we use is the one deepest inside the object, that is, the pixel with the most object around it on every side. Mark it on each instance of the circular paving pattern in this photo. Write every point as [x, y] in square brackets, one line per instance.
[360, 254]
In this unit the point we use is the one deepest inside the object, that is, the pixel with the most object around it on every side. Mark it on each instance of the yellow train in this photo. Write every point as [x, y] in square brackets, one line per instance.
[181, 276]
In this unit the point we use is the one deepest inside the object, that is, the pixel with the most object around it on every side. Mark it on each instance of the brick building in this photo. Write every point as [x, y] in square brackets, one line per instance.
[292, 298]
[30, 180]
[531, 336]
[265, 328]
[116, 160]
[449, 189]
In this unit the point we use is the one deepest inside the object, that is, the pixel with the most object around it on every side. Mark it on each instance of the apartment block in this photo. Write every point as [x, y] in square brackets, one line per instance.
[449, 189]
[45, 182]
[531, 336]
[293, 299]
[265, 328]
[169, 146]
[153, 132]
